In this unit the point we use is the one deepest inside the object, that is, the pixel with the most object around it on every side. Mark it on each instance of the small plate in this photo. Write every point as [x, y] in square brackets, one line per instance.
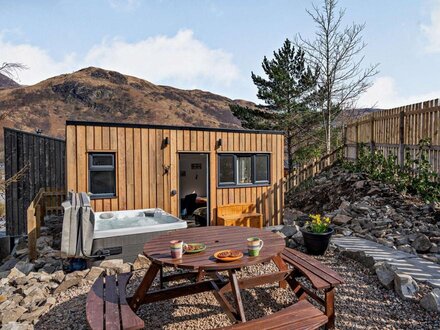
[227, 258]
[202, 247]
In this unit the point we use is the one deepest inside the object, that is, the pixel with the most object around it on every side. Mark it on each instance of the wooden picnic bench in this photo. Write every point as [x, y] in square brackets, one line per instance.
[243, 215]
[108, 307]
[320, 276]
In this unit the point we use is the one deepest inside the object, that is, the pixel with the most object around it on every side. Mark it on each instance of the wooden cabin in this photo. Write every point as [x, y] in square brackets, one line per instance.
[134, 166]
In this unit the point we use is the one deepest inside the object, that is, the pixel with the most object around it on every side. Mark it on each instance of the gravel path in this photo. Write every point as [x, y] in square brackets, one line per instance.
[361, 303]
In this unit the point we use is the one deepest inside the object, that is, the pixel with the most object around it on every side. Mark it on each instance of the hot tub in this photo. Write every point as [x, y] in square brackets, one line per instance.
[129, 230]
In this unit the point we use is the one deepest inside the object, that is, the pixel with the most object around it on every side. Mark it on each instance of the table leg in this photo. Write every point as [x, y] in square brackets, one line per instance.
[200, 275]
[329, 308]
[145, 285]
[236, 292]
[224, 303]
[279, 262]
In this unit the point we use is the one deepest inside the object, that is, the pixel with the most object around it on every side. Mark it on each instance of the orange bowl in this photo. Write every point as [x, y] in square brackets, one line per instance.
[227, 258]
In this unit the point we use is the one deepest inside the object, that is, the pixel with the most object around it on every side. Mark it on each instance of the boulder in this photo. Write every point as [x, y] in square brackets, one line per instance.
[115, 266]
[289, 231]
[421, 243]
[141, 262]
[24, 267]
[298, 238]
[341, 219]
[385, 273]
[9, 264]
[405, 286]
[431, 301]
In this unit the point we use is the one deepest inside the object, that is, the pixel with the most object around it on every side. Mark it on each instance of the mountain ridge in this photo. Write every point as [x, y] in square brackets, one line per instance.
[95, 94]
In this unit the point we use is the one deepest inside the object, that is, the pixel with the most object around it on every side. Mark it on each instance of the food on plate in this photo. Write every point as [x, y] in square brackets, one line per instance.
[234, 253]
[224, 254]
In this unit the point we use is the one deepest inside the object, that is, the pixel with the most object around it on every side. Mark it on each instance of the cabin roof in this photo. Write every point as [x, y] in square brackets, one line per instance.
[172, 127]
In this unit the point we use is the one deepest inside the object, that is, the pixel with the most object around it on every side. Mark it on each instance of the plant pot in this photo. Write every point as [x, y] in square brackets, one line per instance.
[316, 243]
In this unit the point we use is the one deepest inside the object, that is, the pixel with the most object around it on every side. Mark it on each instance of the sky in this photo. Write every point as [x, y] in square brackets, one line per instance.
[215, 45]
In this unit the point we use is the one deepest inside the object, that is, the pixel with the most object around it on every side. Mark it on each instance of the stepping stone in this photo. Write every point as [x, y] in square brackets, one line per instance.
[420, 269]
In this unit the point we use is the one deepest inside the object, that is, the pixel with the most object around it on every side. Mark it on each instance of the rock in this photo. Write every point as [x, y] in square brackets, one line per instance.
[58, 276]
[115, 266]
[385, 274]
[431, 301]
[281, 234]
[12, 315]
[405, 286]
[344, 206]
[289, 231]
[35, 315]
[292, 244]
[67, 285]
[94, 273]
[359, 184]
[77, 274]
[24, 267]
[15, 273]
[8, 265]
[421, 243]
[141, 262]
[298, 238]
[361, 257]
[17, 326]
[2, 298]
[341, 219]
[434, 248]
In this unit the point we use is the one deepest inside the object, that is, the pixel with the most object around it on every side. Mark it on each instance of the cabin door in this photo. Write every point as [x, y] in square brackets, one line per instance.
[194, 188]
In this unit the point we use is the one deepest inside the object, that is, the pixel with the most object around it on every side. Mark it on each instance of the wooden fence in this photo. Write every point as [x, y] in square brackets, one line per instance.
[396, 131]
[46, 202]
[45, 158]
[306, 171]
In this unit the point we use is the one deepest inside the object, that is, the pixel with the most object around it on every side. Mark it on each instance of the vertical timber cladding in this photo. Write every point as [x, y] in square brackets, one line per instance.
[147, 168]
[45, 157]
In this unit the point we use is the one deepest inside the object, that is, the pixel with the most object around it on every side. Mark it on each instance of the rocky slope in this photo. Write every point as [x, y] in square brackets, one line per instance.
[6, 82]
[101, 95]
[365, 208]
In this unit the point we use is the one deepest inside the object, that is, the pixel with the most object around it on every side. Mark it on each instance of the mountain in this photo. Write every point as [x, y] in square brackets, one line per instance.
[6, 82]
[101, 95]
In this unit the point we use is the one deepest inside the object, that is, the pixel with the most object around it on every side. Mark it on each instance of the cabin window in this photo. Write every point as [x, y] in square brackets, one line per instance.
[243, 169]
[226, 169]
[262, 168]
[102, 175]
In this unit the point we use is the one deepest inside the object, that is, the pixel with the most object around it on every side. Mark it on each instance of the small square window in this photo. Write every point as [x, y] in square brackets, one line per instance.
[102, 175]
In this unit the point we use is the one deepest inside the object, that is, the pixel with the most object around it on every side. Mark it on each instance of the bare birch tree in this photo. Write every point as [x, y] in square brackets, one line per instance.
[337, 52]
[11, 70]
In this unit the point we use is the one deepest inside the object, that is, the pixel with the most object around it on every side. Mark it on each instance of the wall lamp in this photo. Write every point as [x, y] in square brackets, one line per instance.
[219, 143]
[165, 142]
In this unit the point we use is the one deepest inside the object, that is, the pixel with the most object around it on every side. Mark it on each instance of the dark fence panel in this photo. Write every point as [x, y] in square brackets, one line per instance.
[45, 157]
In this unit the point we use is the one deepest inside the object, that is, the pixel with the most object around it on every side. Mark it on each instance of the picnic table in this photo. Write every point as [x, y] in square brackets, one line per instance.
[204, 268]
[108, 307]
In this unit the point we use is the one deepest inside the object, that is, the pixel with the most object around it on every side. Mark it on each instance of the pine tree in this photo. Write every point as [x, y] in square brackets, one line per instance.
[286, 91]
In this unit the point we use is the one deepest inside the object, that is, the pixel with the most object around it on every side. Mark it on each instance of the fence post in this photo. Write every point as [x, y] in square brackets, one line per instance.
[357, 141]
[344, 143]
[32, 232]
[372, 143]
[402, 139]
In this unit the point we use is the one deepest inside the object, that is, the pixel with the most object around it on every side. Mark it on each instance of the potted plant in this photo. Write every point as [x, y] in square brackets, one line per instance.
[317, 234]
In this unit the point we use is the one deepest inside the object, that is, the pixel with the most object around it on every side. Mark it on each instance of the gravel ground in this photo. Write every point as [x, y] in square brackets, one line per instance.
[361, 303]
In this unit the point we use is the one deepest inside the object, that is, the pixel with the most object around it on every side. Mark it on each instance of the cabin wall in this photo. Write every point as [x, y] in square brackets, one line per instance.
[141, 159]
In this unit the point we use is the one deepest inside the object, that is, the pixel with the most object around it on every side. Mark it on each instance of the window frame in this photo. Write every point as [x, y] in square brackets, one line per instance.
[101, 168]
[254, 182]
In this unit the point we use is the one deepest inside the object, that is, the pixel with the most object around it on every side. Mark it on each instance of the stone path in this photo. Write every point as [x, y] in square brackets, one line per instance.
[420, 269]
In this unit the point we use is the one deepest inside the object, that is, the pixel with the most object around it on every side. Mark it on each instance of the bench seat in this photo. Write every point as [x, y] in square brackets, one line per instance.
[242, 215]
[107, 307]
[320, 276]
[299, 316]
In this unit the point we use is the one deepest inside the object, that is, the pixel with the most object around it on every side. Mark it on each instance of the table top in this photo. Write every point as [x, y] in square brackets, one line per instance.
[216, 238]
